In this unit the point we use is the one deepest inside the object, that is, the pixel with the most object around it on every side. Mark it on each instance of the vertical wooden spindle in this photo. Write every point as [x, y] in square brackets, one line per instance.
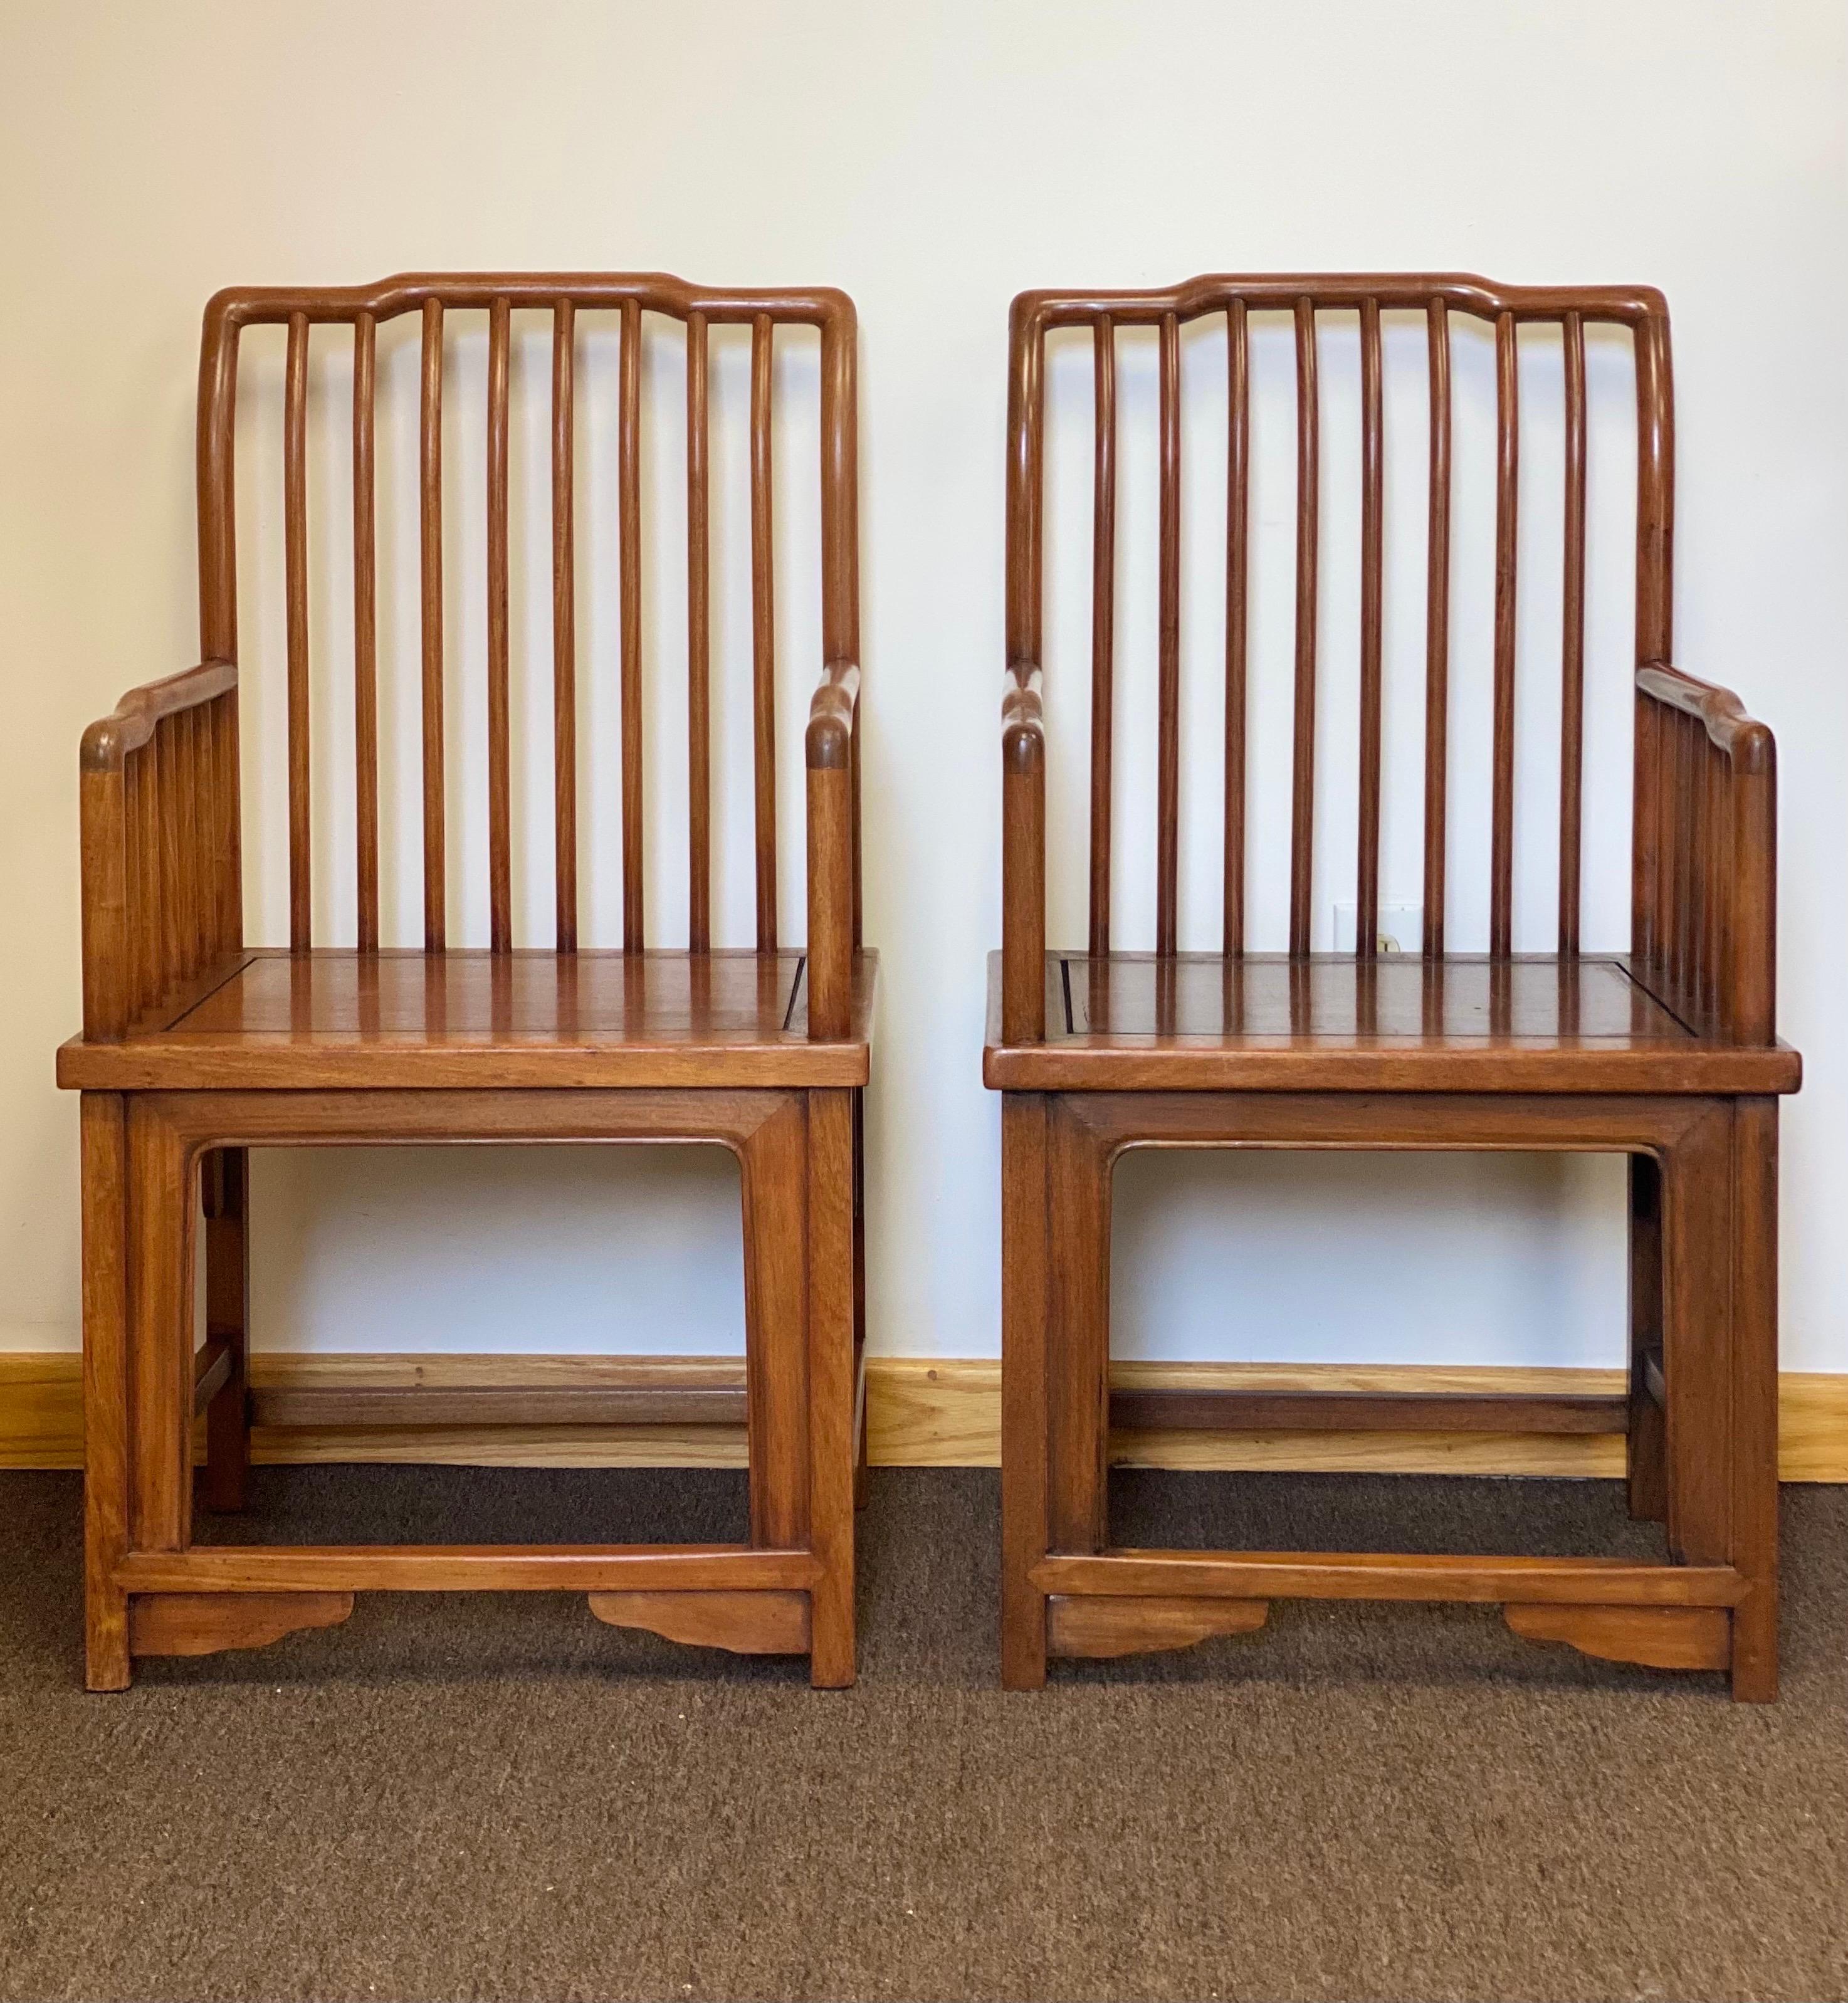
[1645, 929]
[1103, 627]
[222, 919]
[1026, 470]
[1682, 824]
[430, 525]
[174, 808]
[1713, 917]
[1695, 821]
[143, 864]
[219, 826]
[764, 649]
[1023, 787]
[840, 533]
[166, 903]
[1572, 653]
[1237, 567]
[1372, 538]
[500, 763]
[1508, 466]
[699, 647]
[184, 805]
[215, 442]
[1437, 630]
[198, 820]
[163, 832]
[1698, 825]
[1168, 667]
[1727, 913]
[216, 448]
[629, 485]
[295, 480]
[1654, 626]
[1687, 832]
[365, 633]
[118, 879]
[564, 624]
[1302, 833]
[1661, 836]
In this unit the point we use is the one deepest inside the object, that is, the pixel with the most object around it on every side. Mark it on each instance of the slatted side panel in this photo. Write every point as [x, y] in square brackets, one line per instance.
[1501, 753]
[329, 319]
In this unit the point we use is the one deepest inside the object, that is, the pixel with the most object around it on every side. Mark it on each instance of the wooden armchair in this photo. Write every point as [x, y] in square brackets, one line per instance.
[197, 1047]
[1667, 1053]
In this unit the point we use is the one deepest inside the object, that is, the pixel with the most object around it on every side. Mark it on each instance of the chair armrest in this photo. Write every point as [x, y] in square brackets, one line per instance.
[1705, 916]
[162, 895]
[1746, 741]
[833, 746]
[1023, 857]
[131, 723]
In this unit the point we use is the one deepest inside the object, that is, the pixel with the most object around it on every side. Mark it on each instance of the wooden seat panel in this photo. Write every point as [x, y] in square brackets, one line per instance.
[523, 997]
[1344, 1000]
[390, 1019]
[1138, 1022]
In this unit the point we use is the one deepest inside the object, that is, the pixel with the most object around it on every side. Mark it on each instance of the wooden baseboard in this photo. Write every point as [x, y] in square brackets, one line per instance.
[921, 1412]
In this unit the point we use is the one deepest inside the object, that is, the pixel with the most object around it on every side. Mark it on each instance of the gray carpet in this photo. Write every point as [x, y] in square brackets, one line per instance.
[496, 1796]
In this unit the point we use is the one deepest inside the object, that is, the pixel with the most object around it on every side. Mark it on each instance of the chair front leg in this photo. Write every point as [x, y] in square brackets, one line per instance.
[105, 1389]
[1754, 1396]
[1024, 1415]
[162, 1209]
[1697, 1338]
[862, 1470]
[832, 1357]
[775, 1166]
[1077, 1361]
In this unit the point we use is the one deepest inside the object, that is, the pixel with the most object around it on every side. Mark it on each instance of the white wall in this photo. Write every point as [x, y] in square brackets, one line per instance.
[932, 159]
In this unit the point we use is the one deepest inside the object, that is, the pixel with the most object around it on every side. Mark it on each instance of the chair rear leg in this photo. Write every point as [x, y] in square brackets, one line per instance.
[1754, 1397]
[224, 1178]
[104, 1145]
[1024, 1415]
[1647, 1473]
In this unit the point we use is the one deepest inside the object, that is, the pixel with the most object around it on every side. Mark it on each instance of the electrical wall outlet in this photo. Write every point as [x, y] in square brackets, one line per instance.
[1401, 927]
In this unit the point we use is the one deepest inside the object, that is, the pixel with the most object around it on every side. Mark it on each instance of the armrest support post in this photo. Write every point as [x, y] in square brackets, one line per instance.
[832, 747]
[1023, 860]
[103, 819]
[1753, 1000]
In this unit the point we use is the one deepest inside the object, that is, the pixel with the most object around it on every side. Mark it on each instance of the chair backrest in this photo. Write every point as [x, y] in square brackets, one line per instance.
[564, 296]
[1438, 297]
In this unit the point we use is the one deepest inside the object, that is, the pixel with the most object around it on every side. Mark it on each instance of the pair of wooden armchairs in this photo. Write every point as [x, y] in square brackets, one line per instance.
[196, 1048]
